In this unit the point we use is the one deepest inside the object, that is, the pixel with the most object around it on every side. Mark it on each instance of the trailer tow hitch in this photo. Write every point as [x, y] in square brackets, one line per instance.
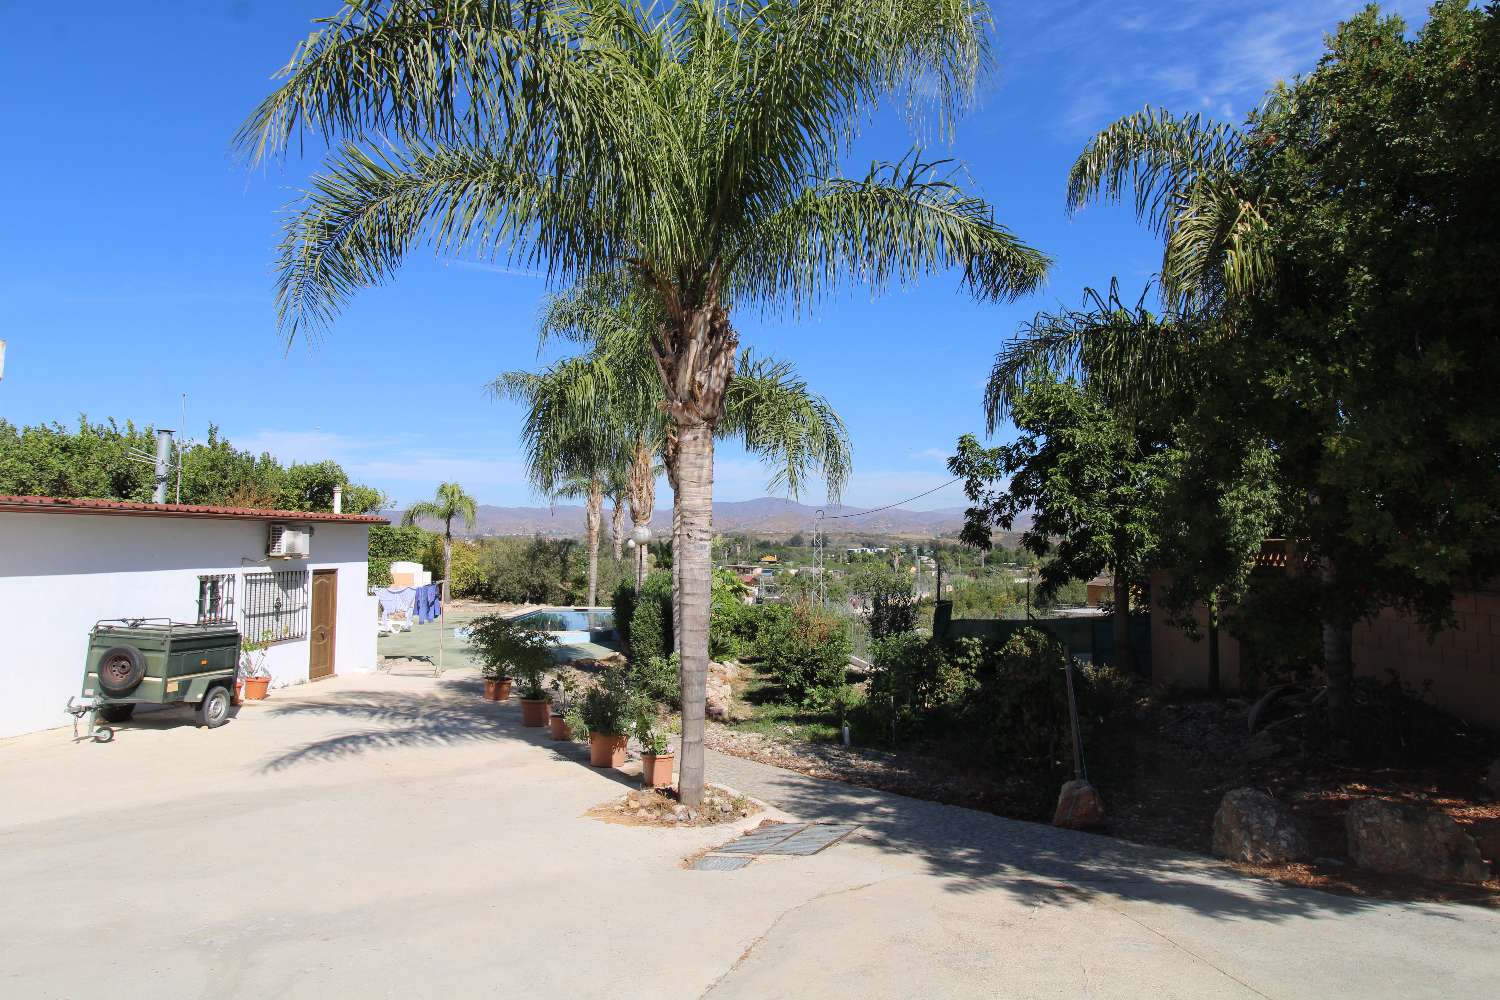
[95, 732]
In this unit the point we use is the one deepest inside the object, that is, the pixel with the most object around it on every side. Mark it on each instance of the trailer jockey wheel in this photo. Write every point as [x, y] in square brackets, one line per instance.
[213, 710]
[121, 669]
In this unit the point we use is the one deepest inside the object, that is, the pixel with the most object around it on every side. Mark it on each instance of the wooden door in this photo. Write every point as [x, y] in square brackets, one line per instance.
[325, 616]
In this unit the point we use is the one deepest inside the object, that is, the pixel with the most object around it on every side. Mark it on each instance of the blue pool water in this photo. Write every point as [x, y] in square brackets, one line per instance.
[571, 620]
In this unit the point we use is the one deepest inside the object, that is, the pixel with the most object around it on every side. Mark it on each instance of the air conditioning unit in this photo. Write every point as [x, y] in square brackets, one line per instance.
[288, 541]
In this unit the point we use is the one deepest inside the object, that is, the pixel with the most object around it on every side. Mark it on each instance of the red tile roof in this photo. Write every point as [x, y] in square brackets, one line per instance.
[68, 505]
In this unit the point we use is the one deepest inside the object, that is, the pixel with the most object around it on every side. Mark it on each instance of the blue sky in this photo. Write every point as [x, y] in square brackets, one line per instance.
[136, 263]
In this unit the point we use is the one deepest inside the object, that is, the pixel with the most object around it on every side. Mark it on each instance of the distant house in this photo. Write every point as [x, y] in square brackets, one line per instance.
[66, 564]
[770, 559]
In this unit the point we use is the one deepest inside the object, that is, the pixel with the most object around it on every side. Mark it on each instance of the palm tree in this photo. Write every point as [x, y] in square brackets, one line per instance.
[695, 146]
[1191, 185]
[767, 407]
[616, 488]
[448, 503]
[574, 438]
[588, 487]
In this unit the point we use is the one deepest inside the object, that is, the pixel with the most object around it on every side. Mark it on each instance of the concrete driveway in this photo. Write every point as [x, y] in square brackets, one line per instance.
[398, 836]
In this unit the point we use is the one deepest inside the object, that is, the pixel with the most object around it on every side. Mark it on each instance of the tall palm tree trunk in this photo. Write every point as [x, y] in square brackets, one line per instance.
[693, 504]
[617, 526]
[592, 511]
[447, 553]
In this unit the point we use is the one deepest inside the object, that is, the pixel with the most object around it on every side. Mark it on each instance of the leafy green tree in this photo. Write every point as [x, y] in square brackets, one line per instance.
[694, 147]
[450, 503]
[93, 461]
[888, 596]
[1334, 241]
[1218, 496]
[1088, 477]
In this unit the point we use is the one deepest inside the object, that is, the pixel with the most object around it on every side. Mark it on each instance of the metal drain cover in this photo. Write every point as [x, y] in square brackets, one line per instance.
[812, 839]
[799, 839]
[717, 863]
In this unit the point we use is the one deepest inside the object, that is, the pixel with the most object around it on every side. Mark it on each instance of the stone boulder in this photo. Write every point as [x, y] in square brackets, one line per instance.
[1252, 826]
[1079, 807]
[720, 694]
[1399, 839]
[1492, 778]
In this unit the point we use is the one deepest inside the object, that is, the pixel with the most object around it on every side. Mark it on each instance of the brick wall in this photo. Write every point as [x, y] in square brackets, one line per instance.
[1461, 665]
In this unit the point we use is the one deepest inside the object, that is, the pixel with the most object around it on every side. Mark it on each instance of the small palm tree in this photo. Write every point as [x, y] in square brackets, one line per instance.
[694, 145]
[588, 487]
[450, 502]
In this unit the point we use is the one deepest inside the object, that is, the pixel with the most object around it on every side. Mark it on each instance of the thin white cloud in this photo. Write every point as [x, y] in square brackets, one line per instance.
[1187, 55]
[928, 455]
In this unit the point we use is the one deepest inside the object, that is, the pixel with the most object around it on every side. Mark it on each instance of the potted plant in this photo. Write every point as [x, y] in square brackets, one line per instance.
[566, 687]
[254, 678]
[505, 650]
[656, 751]
[605, 715]
[534, 700]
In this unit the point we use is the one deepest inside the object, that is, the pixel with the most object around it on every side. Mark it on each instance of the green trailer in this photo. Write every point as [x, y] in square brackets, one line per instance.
[156, 661]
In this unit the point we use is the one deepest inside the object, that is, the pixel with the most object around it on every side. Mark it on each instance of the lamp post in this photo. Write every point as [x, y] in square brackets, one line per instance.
[639, 537]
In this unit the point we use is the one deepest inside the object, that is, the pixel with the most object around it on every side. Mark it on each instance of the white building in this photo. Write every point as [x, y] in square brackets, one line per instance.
[65, 564]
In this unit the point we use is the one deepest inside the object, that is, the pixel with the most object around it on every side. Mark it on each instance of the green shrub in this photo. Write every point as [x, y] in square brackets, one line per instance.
[1103, 690]
[612, 706]
[842, 702]
[1022, 704]
[803, 647]
[651, 621]
[658, 679]
[507, 649]
[623, 603]
[730, 630]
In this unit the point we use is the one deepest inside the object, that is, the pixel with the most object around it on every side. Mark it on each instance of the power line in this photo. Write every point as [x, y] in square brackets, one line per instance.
[898, 503]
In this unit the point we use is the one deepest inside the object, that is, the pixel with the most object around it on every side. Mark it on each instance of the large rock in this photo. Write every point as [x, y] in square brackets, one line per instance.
[1252, 826]
[1400, 839]
[720, 694]
[1492, 778]
[1079, 807]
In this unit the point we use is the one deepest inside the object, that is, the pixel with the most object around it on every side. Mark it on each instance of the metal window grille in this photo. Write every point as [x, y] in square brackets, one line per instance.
[216, 599]
[276, 605]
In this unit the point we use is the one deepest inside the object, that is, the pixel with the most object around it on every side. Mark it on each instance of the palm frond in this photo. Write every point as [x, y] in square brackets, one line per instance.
[901, 221]
[770, 409]
[1125, 352]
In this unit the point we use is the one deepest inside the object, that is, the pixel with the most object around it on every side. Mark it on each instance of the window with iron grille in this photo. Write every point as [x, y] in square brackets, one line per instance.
[216, 599]
[275, 605]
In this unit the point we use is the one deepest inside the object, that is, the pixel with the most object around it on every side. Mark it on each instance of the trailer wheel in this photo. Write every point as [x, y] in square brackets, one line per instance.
[103, 734]
[121, 669]
[213, 710]
[116, 713]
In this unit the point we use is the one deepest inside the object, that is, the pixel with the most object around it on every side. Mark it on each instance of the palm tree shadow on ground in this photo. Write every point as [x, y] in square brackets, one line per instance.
[403, 721]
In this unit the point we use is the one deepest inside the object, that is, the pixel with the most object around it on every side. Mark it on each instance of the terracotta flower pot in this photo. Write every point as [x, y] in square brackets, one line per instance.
[606, 749]
[255, 688]
[497, 690]
[534, 711]
[560, 730]
[656, 769]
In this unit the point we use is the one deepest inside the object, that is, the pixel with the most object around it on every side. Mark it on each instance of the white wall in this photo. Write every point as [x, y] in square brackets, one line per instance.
[60, 573]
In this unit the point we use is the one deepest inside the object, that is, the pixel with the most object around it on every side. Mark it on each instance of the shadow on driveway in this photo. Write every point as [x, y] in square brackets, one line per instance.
[454, 713]
[1039, 863]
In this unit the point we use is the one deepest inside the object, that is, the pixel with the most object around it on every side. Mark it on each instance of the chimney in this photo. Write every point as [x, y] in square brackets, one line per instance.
[338, 499]
[163, 465]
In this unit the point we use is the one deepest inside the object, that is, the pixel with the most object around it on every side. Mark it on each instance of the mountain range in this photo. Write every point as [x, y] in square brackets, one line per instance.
[763, 516]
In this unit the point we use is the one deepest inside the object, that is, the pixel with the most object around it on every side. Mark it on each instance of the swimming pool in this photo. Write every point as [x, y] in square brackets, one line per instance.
[568, 625]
